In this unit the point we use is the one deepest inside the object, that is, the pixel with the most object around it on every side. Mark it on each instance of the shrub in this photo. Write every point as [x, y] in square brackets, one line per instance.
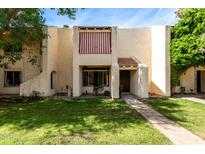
[107, 93]
[183, 89]
[98, 89]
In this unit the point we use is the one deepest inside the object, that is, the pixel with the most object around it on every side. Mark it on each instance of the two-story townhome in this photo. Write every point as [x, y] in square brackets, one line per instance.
[74, 61]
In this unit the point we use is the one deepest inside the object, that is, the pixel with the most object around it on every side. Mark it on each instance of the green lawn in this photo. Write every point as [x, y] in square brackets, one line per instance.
[82, 121]
[190, 115]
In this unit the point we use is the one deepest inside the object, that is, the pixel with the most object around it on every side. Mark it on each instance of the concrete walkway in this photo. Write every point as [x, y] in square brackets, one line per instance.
[175, 133]
[195, 99]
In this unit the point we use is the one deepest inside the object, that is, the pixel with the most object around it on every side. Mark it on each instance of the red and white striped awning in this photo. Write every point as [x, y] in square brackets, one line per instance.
[94, 42]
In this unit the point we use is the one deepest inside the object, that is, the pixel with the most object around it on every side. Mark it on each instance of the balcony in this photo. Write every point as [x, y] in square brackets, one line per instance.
[94, 45]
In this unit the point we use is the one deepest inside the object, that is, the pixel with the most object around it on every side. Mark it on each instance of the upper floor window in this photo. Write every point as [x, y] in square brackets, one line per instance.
[95, 42]
[12, 78]
[11, 47]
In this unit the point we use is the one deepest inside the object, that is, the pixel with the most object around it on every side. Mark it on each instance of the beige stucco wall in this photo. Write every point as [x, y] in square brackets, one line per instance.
[108, 60]
[142, 81]
[115, 72]
[160, 61]
[94, 59]
[135, 42]
[133, 82]
[61, 55]
[76, 67]
[151, 47]
[52, 58]
[64, 60]
[139, 81]
[49, 64]
[189, 80]
[27, 69]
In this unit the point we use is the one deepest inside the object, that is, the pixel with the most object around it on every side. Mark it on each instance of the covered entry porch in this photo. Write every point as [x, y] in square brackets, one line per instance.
[96, 80]
[129, 76]
[133, 77]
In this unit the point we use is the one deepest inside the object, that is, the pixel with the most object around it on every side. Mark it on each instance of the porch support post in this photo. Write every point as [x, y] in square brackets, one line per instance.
[76, 68]
[114, 67]
[76, 82]
[142, 81]
[115, 81]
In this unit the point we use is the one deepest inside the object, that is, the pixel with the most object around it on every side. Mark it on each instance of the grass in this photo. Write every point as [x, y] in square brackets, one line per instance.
[79, 121]
[190, 115]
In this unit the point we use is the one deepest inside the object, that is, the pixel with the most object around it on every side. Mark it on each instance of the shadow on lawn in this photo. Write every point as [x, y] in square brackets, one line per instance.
[79, 116]
[168, 108]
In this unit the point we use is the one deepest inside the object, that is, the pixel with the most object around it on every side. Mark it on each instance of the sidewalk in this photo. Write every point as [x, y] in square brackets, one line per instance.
[175, 133]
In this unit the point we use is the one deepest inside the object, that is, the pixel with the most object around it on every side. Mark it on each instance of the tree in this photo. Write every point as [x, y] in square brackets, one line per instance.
[65, 26]
[187, 42]
[23, 26]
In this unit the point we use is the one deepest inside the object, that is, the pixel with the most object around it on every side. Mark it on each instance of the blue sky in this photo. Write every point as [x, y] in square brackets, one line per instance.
[124, 18]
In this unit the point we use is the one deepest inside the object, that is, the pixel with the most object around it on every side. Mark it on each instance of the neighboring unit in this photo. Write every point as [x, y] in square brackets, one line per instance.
[191, 81]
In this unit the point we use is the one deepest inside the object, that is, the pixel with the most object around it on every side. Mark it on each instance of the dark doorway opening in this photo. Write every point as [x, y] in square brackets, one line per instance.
[198, 81]
[125, 80]
[52, 79]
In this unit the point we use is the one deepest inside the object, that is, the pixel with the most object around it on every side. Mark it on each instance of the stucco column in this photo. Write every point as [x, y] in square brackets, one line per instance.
[160, 60]
[76, 81]
[52, 50]
[114, 81]
[142, 81]
[44, 65]
[114, 67]
[76, 68]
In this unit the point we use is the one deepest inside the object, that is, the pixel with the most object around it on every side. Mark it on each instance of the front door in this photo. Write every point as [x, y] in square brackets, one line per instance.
[125, 81]
[198, 81]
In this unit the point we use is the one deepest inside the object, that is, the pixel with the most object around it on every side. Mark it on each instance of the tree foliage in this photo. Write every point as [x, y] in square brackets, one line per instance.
[187, 42]
[23, 26]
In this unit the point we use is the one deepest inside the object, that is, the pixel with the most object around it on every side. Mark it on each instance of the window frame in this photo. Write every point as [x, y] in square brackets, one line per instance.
[91, 70]
[13, 78]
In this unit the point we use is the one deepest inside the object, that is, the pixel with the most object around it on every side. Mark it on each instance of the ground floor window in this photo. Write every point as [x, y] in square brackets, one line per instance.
[95, 77]
[12, 78]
